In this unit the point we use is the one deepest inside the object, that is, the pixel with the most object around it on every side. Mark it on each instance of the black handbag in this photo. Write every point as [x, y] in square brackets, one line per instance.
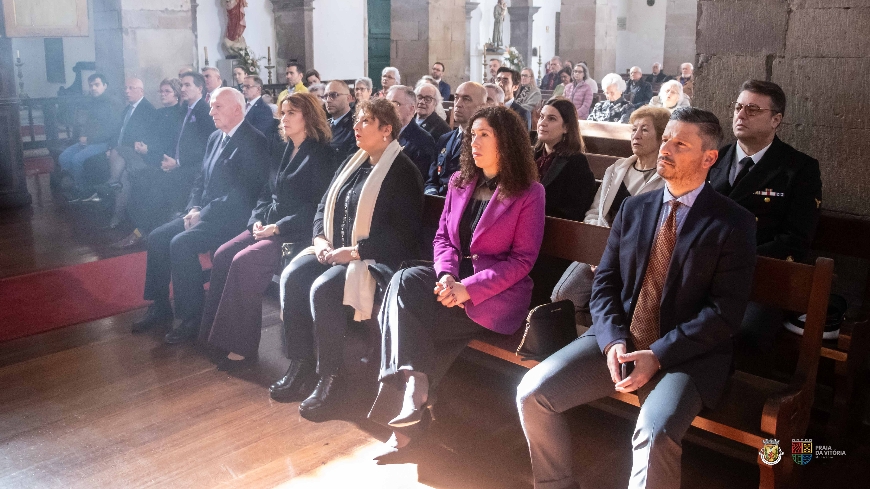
[549, 327]
[289, 252]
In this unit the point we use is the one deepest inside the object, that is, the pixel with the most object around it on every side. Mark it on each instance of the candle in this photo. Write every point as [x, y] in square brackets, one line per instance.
[18, 54]
[269, 54]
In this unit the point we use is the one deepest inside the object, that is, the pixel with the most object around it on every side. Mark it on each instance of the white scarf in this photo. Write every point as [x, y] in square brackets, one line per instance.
[359, 285]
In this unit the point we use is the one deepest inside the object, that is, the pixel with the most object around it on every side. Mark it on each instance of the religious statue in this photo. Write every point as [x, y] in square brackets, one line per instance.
[498, 11]
[234, 41]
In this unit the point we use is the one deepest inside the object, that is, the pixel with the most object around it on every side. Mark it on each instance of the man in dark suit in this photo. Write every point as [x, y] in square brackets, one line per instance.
[416, 143]
[232, 174]
[637, 90]
[470, 96]
[135, 126]
[257, 113]
[777, 183]
[340, 119]
[657, 76]
[509, 81]
[670, 289]
[428, 98]
[443, 86]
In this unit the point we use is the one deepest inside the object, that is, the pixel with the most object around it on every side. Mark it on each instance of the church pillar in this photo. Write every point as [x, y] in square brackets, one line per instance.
[294, 29]
[469, 8]
[13, 186]
[521, 28]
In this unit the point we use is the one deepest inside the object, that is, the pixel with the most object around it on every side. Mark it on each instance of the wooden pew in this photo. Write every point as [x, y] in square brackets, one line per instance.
[599, 163]
[752, 409]
[606, 138]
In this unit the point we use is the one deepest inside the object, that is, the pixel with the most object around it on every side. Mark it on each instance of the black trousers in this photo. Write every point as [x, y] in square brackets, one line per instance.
[173, 254]
[155, 195]
[417, 332]
[315, 320]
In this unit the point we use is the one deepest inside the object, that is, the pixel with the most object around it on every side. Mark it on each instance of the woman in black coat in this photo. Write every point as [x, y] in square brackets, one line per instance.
[563, 169]
[567, 179]
[370, 215]
[243, 267]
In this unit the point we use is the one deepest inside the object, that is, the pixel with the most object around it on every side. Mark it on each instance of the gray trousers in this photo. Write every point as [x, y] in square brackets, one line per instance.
[577, 374]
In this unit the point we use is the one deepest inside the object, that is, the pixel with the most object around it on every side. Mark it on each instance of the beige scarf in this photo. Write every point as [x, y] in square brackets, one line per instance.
[359, 285]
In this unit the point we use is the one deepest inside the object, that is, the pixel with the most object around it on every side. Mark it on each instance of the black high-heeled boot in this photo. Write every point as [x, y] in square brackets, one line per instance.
[318, 401]
[291, 386]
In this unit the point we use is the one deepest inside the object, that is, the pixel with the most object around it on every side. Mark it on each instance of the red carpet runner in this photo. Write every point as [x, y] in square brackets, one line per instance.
[41, 301]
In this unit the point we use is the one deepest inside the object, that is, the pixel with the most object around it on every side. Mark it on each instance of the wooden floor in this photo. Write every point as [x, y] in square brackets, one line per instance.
[92, 405]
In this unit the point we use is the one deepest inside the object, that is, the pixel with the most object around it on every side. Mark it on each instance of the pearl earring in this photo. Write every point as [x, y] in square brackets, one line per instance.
[385, 139]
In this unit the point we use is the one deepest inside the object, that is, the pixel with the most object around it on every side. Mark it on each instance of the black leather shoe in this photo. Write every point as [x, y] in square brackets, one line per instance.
[291, 386]
[188, 329]
[318, 401]
[156, 315]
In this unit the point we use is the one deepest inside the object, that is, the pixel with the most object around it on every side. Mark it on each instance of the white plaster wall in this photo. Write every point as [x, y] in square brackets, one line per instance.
[643, 42]
[259, 31]
[32, 49]
[475, 49]
[339, 38]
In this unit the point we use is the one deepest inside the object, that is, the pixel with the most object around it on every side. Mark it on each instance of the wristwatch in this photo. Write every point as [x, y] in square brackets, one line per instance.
[354, 253]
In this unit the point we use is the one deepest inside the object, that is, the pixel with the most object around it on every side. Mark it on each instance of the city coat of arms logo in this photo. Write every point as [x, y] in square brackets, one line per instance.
[802, 451]
[771, 453]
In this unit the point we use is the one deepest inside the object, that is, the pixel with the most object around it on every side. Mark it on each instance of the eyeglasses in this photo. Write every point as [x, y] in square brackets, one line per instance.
[750, 109]
[525, 75]
[248, 86]
[425, 99]
[362, 89]
[332, 95]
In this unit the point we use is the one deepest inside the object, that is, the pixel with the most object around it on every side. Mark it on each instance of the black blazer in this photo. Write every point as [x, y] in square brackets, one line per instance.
[397, 219]
[523, 113]
[447, 162]
[260, 116]
[163, 136]
[784, 191]
[193, 136]
[139, 127]
[570, 187]
[343, 140]
[705, 292]
[230, 181]
[418, 145]
[435, 126]
[295, 188]
[641, 92]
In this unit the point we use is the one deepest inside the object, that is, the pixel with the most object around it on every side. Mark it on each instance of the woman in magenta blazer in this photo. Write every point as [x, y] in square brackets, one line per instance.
[488, 239]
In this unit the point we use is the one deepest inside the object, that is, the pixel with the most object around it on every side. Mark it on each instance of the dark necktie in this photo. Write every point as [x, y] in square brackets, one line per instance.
[247, 107]
[747, 163]
[181, 132]
[127, 113]
[645, 328]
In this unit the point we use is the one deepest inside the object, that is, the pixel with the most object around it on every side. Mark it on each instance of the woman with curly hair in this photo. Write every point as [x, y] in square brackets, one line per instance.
[303, 164]
[487, 241]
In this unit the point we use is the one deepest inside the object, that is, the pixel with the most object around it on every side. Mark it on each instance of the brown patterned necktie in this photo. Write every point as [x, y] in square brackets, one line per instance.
[645, 328]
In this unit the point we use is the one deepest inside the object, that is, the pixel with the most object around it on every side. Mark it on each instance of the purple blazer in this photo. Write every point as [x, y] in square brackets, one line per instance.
[504, 248]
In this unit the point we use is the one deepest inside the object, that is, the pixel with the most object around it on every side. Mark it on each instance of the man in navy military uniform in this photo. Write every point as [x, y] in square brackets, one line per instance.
[777, 183]
[337, 99]
[470, 96]
[416, 143]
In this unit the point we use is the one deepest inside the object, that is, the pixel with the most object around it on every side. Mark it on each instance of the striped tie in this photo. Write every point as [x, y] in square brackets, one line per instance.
[645, 328]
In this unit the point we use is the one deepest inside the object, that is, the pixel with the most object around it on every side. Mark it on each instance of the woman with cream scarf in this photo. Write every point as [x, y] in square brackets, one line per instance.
[370, 214]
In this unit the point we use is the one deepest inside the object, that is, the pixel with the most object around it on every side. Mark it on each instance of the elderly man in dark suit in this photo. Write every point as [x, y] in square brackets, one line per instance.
[509, 81]
[232, 174]
[337, 98]
[637, 91]
[777, 183]
[668, 294]
[470, 96]
[257, 112]
[416, 143]
[428, 98]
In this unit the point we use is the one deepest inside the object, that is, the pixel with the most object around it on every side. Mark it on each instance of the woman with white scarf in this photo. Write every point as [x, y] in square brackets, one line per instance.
[371, 213]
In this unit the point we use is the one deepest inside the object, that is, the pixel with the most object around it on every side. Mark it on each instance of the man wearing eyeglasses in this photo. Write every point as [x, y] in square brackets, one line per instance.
[777, 183]
[337, 100]
[257, 113]
[416, 143]
[428, 98]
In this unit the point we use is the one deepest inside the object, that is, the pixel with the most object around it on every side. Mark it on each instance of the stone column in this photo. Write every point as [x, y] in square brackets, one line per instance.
[577, 32]
[521, 28]
[294, 29]
[681, 23]
[13, 186]
[469, 8]
[109, 42]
